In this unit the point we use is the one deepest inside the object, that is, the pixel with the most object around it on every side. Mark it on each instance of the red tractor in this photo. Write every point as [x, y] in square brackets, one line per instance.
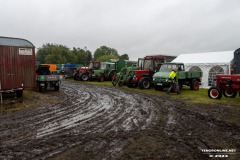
[147, 67]
[228, 85]
[84, 72]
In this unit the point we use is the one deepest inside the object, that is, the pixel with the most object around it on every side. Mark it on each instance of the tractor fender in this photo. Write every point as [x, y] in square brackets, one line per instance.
[83, 73]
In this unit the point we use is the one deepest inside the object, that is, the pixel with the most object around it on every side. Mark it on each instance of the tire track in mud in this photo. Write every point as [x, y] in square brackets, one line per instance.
[82, 110]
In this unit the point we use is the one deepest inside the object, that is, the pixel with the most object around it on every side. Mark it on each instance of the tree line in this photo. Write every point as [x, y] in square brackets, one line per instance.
[60, 54]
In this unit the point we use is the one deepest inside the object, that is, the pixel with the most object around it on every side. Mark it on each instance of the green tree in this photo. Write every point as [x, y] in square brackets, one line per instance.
[104, 50]
[105, 58]
[43, 52]
[83, 56]
[124, 56]
[54, 53]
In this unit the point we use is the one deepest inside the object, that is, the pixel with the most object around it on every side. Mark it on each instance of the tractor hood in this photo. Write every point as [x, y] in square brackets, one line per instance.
[140, 72]
[161, 75]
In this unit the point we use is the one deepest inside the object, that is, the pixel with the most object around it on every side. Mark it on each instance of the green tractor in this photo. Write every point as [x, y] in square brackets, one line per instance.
[121, 77]
[109, 69]
[106, 72]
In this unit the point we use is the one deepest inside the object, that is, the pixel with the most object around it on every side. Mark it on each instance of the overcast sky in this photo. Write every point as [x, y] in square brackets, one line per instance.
[134, 27]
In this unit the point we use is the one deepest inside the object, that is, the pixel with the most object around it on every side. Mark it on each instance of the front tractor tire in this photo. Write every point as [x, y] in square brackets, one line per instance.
[85, 77]
[76, 77]
[129, 82]
[214, 93]
[145, 84]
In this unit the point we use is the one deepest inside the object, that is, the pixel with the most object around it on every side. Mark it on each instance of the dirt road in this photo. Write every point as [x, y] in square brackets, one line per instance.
[97, 122]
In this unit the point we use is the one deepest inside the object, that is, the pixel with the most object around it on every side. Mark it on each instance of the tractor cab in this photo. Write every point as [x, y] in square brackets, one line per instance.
[147, 67]
[94, 64]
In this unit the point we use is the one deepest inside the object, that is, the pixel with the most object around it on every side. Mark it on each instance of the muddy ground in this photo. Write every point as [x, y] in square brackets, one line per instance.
[99, 122]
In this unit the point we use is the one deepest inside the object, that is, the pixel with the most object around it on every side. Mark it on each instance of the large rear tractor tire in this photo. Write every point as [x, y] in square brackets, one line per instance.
[214, 93]
[229, 92]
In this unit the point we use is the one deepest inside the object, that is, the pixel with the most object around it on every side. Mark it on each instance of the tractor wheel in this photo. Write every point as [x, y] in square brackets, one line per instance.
[85, 77]
[75, 77]
[101, 78]
[195, 85]
[112, 75]
[129, 83]
[228, 92]
[145, 84]
[214, 93]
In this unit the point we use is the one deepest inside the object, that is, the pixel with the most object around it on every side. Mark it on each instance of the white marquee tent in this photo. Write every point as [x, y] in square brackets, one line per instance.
[210, 64]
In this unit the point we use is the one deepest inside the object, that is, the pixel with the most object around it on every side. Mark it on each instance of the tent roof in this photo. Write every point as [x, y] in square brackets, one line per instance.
[210, 57]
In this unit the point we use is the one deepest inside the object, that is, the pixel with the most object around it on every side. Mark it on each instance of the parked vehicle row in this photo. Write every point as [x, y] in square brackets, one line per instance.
[101, 71]
[18, 72]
